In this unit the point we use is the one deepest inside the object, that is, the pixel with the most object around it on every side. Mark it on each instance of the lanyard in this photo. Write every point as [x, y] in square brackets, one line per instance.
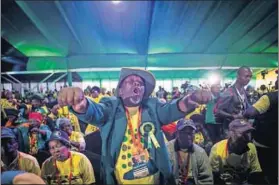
[240, 98]
[33, 143]
[227, 149]
[58, 173]
[187, 166]
[136, 140]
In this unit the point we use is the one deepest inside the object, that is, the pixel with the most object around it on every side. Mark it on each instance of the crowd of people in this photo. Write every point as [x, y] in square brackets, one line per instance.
[134, 135]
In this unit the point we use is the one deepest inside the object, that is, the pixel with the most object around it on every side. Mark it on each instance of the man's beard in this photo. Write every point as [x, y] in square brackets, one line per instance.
[132, 101]
[239, 147]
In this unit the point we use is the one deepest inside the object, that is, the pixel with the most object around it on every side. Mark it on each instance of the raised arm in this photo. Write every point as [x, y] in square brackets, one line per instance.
[177, 109]
[85, 109]
[260, 107]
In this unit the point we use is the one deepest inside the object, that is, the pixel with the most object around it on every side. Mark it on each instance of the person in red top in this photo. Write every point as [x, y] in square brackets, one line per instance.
[169, 129]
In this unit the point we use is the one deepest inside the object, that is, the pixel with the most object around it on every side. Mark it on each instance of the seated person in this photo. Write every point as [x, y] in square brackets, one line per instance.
[63, 112]
[66, 166]
[12, 159]
[76, 138]
[202, 137]
[190, 164]
[11, 115]
[35, 135]
[235, 160]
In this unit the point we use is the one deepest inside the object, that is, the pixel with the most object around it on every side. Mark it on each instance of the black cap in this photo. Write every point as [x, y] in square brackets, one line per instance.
[11, 112]
[7, 133]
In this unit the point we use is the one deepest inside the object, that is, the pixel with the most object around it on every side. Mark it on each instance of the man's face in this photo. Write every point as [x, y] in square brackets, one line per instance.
[58, 151]
[132, 90]
[67, 127]
[186, 137]
[36, 103]
[242, 139]
[244, 76]
[95, 94]
[34, 124]
[9, 146]
[215, 89]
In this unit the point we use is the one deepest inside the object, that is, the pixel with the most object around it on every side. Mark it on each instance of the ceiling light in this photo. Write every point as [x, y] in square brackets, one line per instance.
[214, 78]
[116, 2]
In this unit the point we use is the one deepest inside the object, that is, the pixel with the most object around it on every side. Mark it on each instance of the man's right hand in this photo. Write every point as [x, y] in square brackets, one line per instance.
[73, 96]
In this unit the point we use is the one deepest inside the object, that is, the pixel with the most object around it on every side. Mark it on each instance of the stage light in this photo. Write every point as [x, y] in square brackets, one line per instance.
[214, 78]
[116, 2]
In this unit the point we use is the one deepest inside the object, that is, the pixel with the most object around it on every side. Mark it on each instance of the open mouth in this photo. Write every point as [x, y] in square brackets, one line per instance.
[136, 91]
[135, 99]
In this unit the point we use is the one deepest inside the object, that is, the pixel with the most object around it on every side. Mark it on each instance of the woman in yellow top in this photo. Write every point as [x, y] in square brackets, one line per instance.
[66, 166]
[63, 112]
[76, 138]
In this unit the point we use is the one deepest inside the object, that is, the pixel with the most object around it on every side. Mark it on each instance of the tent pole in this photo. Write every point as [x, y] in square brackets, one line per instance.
[69, 78]
[42, 81]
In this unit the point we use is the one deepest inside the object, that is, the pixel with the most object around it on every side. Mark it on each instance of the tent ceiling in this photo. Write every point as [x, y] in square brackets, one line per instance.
[26, 78]
[91, 34]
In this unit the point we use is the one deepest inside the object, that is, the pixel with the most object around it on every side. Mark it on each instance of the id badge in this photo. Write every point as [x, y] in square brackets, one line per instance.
[140, 169]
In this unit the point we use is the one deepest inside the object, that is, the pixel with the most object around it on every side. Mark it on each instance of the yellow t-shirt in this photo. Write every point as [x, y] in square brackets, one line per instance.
[96, 100]
[29, 163]
[78, 137]
[124, 161]
[262, 105]
[82, 170]
[231, 164]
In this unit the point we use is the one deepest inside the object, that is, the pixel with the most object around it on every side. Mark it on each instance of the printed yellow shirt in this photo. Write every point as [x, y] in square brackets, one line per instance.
[78, 137]
[198, 138]
[91, 128]
[231, 164]
[124, 162]
[82, 170]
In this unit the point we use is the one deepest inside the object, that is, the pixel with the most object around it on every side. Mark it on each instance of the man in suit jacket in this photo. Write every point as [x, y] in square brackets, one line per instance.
[133, 146]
